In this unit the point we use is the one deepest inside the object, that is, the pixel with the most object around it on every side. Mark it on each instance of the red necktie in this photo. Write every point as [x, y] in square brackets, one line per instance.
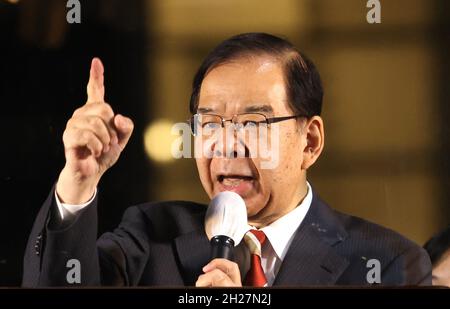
[254, 240]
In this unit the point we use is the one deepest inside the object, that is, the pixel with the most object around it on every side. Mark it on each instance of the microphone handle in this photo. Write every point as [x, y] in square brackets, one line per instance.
[222, 247]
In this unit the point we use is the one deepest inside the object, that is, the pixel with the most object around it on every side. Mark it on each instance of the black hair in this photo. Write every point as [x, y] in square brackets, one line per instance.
[303, 84]
[438, 245]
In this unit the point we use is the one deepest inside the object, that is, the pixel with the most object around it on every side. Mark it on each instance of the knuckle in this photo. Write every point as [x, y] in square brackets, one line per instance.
[219, 279]
[199, 283]
[201, 280]
[83, 135]
[65, 136]
[108, 107]
[69, 133]
[218, 274]
[104, 114]
[77, 112]
[95, 122]
[229, 269]
[106, 110]
[98, 122]
[69, 123]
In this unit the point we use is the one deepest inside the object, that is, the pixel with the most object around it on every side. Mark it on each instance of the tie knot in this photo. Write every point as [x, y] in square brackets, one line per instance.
[259, 235]
[254, 240]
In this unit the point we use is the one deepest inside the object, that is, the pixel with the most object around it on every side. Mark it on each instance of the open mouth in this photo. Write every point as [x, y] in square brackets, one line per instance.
[233, 179]
[237, 183]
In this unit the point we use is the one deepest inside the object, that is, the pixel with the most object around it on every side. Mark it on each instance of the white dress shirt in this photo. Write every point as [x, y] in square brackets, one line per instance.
[68, 211]
[279, 233]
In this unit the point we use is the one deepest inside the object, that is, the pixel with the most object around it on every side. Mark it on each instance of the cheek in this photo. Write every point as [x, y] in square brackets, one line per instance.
[291, 151]
[290, 160]
[289, 168]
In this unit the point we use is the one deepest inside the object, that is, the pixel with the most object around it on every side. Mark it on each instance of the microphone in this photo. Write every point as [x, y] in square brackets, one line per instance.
[225, 224]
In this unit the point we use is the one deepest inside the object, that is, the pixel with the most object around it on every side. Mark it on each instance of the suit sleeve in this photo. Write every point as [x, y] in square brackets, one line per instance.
[411, 268]
[116, 258]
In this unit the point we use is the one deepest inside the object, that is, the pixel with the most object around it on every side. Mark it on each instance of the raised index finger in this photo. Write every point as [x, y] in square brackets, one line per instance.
[95, 87]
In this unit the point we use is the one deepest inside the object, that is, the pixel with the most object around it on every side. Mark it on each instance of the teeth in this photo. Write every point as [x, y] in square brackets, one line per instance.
[234, 182]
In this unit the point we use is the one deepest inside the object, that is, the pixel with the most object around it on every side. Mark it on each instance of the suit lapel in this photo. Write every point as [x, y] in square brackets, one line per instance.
[311, 258]
[193, 253]
[310, 261]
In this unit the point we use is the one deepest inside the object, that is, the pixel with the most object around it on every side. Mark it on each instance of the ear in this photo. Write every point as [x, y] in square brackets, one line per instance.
[315, 138]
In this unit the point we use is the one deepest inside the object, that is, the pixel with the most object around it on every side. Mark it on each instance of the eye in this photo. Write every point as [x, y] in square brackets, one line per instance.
[211, 125]
[249, 124]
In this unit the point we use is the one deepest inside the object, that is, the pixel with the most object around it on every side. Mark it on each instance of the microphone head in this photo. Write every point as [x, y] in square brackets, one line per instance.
[226, 216]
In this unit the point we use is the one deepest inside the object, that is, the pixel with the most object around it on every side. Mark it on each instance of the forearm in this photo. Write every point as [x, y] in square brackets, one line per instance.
[52, 245]
[69, 243]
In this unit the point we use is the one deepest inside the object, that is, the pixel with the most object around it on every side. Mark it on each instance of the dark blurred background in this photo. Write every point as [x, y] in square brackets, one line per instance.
[386, 105]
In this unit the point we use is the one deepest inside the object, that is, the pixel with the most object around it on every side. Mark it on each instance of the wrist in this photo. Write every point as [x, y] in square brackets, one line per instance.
[73, 189]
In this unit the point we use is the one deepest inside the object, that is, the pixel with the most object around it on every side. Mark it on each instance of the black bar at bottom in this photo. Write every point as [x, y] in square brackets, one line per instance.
[212, 297]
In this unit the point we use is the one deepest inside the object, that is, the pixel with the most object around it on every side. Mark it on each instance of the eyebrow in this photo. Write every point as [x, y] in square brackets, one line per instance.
[249, 109]
[204, 110]
[259, 109]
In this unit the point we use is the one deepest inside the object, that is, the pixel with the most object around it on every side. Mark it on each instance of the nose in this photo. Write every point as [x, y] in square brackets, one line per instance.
[229, 144]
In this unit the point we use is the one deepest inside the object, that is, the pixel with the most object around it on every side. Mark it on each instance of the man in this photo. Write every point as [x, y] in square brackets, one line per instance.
[438, 247]
[253, 78]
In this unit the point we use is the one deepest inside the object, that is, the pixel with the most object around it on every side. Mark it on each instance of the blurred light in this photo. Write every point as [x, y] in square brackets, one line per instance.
[158, 140]
[13, 1]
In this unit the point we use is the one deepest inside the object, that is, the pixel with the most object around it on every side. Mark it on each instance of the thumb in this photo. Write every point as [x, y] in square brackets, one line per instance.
[124, 126]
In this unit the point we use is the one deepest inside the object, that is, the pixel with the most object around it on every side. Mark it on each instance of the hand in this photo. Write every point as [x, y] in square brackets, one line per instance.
[220, 272]
[93, 140]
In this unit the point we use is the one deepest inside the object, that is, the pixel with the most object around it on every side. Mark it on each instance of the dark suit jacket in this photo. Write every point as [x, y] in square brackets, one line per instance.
[165, 244]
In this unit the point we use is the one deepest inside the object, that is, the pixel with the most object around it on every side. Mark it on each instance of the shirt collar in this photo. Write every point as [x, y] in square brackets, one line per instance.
[280, 233]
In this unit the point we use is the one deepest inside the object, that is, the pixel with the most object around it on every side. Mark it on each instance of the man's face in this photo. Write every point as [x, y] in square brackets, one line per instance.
[441, 271]
[254, 84]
